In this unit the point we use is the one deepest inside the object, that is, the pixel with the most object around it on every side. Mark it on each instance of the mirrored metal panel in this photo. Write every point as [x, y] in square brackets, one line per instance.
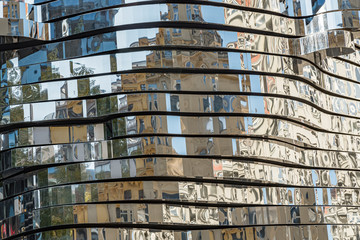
[181, 120]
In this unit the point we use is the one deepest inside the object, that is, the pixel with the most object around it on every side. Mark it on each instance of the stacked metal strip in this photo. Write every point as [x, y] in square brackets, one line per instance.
[184, 120]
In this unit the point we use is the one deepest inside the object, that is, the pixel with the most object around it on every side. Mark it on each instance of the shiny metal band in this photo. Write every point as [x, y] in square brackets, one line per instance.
[145, 125]
[217, 169]
[178, 192]
[211, 119]
[169, 215]
[179, 104]
[278, 232]
[119, 16]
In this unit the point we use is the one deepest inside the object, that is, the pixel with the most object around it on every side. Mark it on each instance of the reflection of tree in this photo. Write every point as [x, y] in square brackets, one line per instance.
[4, 106]
[62, 215]
[103, 105]
[95, 89]
[80, 70]
[83, 87]
[21, 158]
[50, 73]
[113, 104]
[45, 216]
[65, 174]
[113, 63]
[17, 114]
[119, 147]
[53, 55]
[57, 216]
[73, 172]
[119, 128]
[58, 176]
[23, 137]
[60, 233]
[31, 93]
[79, 26]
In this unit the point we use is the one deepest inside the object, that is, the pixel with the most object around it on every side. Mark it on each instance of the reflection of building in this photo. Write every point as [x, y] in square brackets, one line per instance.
[172, 58]
[164, 121]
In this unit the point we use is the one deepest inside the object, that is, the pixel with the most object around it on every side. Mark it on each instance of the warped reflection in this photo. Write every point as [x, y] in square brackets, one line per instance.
[215, 119]
[186, 192]
[277, 232]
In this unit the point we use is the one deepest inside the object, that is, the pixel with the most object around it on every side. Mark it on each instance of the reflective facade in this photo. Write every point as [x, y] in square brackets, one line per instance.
[184, 120]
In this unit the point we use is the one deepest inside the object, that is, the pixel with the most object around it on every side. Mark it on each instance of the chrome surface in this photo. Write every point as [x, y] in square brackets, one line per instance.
[186, 120]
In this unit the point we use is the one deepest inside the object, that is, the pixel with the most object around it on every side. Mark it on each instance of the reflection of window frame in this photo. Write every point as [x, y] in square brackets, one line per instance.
[175, 11]
[189, 64]
[15, 27]
[197, 13]
[176, 31]
[188, 12]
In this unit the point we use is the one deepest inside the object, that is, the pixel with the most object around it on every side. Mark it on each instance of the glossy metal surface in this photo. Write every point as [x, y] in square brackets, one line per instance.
[216, 119]
[276, 232]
